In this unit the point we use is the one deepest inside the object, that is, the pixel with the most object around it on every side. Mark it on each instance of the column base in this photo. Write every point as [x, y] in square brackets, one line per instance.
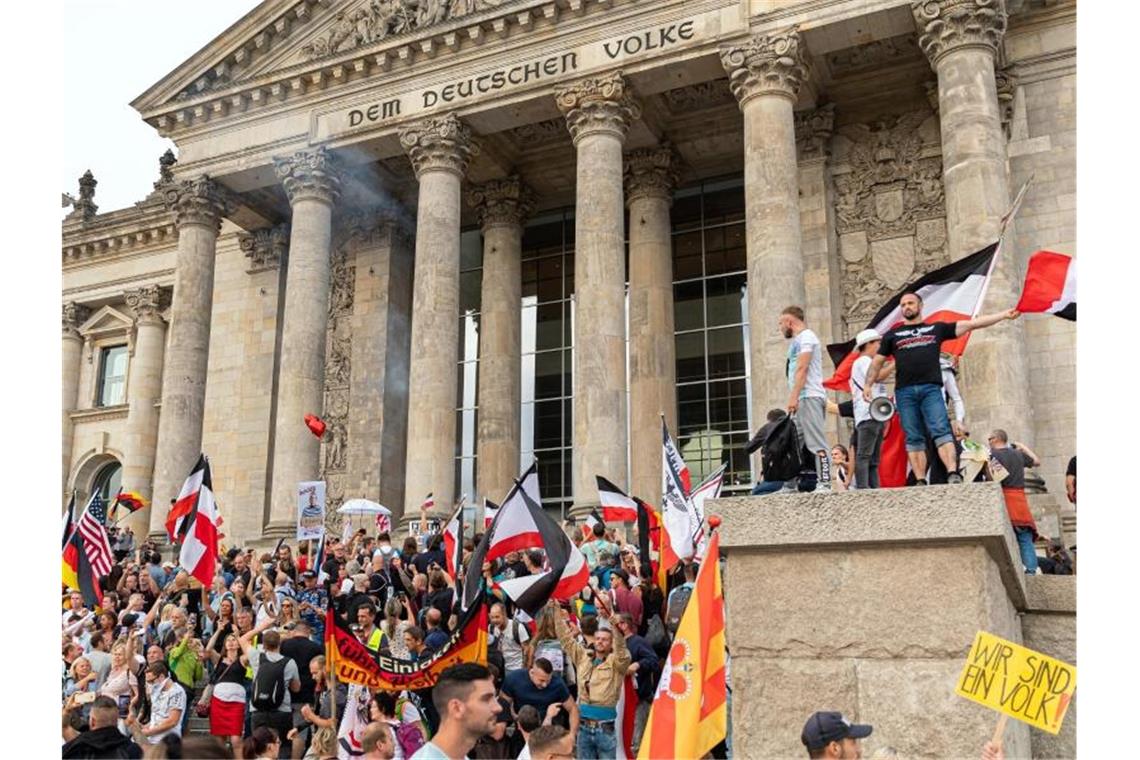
[279, 530]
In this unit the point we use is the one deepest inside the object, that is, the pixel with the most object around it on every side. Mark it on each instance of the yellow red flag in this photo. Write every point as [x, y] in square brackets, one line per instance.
[689, 715]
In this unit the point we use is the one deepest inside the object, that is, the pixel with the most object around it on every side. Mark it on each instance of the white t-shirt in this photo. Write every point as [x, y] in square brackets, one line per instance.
[514, 656]
[858, 382]
[165, 697]
[807, 342]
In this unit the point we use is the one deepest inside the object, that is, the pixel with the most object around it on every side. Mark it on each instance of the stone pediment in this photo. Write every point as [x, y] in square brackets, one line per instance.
[107, 320]
[285, 47]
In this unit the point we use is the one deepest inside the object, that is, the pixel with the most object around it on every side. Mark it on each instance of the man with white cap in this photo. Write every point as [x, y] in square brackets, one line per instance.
[868, 431]
[830, 735]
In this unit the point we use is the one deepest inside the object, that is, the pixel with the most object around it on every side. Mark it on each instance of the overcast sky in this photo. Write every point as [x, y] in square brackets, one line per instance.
[114, 50]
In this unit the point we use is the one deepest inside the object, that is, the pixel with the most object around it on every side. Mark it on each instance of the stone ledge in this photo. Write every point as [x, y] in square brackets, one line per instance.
[1051, 594]
[957, 514]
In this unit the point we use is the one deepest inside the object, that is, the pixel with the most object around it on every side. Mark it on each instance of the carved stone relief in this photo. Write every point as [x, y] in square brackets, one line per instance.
[380, 19]
[698, 96]
[338, 373]
[890, 210]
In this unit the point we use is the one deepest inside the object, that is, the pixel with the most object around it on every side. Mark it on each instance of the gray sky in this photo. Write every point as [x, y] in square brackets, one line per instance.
[114, 50]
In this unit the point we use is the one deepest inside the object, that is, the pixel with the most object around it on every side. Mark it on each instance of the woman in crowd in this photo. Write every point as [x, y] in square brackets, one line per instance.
[840, 469]
[288, 615]
[546, 644]
[81, 680]
[122, 685]
[394, 627]
[227, 698]
[266, 607]
[262, 744]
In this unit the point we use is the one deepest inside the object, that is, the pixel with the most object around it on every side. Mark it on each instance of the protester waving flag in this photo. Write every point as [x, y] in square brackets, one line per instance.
[453, 541]
[616, 506]
[677, 511]
[949, 294]
[176, 523]
[1050, 286]
[689, 715]
[130, 500]
[87, 558]
[199, 526]
[490, 509]
[319, 560]
[592, 519]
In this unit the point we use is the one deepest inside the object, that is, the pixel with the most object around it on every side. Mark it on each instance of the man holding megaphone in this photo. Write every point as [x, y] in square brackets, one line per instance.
[870, 416]
[918, 386]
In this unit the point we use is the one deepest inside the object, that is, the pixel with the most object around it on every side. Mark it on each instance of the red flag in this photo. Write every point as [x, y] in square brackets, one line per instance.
[1050, 285]
[199, 553]
[892, 455]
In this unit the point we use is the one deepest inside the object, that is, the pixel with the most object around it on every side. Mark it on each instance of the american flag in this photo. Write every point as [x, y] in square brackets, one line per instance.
[91, 527]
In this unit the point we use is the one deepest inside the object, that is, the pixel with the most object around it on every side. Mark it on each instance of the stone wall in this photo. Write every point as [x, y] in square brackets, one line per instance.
[1049, 625]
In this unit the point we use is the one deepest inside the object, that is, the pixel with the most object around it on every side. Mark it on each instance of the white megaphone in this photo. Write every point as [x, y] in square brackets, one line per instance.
[882, 409]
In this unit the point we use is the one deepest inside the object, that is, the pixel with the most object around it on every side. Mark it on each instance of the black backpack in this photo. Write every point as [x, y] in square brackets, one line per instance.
[781, 458]
[675, 607]
[269, 683]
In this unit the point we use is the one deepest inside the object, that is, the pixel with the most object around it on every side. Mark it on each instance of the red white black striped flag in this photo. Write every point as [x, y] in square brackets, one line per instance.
[453, 541]
[616, 506]
[950, 294]
[1050, 286]
[198, 524]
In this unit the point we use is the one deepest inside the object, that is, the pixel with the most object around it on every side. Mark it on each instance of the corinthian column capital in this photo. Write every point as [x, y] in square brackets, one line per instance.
[147, 303]
[650, 173]
[501, 202]
[73, 316]
[767, 64]
[946, 25]
[197, 201]
[309, 175]
[439, 143]
[598, 104]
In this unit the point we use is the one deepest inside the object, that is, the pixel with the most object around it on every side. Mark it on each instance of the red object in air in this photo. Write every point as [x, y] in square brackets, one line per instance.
[714, 521]
[315, 424]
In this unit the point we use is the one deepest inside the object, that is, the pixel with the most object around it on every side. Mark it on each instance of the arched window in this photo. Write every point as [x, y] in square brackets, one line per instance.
[108, 480]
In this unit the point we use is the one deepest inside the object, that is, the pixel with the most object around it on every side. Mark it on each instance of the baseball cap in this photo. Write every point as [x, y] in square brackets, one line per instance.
[825, 727]
[308, 574]
[866, 336]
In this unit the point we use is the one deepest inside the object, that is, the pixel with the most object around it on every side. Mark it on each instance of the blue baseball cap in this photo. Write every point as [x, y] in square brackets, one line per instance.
[822, 728]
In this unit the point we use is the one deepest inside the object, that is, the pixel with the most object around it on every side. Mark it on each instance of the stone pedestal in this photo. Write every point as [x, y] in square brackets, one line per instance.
[765, 76]
[144, 390]
[961, 40]
[198, 207]
[650, 175]
[867, 602]
[439, 148]
[74, 315]
[312, 184]
[598, 113]
[502, 206]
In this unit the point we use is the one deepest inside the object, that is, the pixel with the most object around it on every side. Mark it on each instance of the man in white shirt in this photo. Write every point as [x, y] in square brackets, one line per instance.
[167, 703]
[868, 432]
[807, 399]
[510, 636]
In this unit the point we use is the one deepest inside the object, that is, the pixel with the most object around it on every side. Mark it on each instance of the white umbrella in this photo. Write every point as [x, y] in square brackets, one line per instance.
[363, 507]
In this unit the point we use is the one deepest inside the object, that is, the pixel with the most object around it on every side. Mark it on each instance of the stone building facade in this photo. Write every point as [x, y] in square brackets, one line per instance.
[368, 195]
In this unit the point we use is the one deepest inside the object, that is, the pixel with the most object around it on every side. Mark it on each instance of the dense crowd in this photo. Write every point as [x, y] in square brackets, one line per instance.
[247, 653]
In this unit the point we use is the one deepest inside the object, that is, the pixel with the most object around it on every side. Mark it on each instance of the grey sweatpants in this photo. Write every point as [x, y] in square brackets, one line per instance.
[810, 419]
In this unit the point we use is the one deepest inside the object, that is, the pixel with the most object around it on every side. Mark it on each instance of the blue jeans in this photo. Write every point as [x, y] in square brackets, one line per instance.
[1025, 545]
[766, 486]
[922, 410]
[596, 742]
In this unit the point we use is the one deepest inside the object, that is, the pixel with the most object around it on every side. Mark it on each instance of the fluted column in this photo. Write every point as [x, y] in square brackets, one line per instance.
[598, 113]
[73, 316]
[961, 38]
[439, 148]
[198, 206]
[312, 185]
[144, 390]
[765, 76]
[502, 206]
[650, 175]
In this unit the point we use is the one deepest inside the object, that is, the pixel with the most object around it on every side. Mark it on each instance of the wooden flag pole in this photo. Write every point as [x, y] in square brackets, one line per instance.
[999, 730]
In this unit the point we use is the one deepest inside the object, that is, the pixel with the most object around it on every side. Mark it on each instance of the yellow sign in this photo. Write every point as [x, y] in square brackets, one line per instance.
[1019, 682]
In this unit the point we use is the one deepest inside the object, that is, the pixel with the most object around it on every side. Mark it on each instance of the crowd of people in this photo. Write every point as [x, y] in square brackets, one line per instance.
[931, 411]
[247, 654]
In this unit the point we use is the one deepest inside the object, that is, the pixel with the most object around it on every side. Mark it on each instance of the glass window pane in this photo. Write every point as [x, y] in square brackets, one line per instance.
[465, 427]
[739, 468]
[547, 424]
[724, 201]
[703, 452]
[526, 434]
[470, 290]
[529, 278]
[568, 273]
[548, 375]
[548, 330]
[730, 253]
[527, 378]
[550, 468]
[467, 385]
[687, 255]
[550, 279]
[726, 352]
[726, 299]
[728, 406]
[691, 412]
[690, 357]
[568, 423]
[113, 376]
[543, 232]
[686, 211]
[108, 481]
[470, 250]
[688, 305]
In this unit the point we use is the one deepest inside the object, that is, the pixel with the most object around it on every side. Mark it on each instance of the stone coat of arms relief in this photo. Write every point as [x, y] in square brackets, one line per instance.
[889, 208]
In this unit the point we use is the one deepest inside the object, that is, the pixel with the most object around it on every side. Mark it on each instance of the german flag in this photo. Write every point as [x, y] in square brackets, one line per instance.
[353, 662]
[77, 572]
[130, 500]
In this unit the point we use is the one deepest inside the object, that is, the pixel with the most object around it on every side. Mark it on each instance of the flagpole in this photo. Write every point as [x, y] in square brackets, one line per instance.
[1014, 206]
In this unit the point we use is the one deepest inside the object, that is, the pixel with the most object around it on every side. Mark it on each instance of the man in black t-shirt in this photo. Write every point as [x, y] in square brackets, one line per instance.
[918, 380]
[298, 645]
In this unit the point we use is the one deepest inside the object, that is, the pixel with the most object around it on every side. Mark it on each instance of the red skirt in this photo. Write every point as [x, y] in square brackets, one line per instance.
[226, 718]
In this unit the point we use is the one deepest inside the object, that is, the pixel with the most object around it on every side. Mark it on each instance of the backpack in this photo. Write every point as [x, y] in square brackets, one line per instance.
[655, 634]
[781, 458]
[410, 738]
[269, 684]
[676, 607]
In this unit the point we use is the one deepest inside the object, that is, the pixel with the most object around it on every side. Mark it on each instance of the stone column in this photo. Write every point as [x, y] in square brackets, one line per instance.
[439, 148]
[961, 39]
[144, 391]
[650, 175]
[765, 75]
[73, 316]
[598, 112]
[198, 206]
[502, 206]
[311, 182]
